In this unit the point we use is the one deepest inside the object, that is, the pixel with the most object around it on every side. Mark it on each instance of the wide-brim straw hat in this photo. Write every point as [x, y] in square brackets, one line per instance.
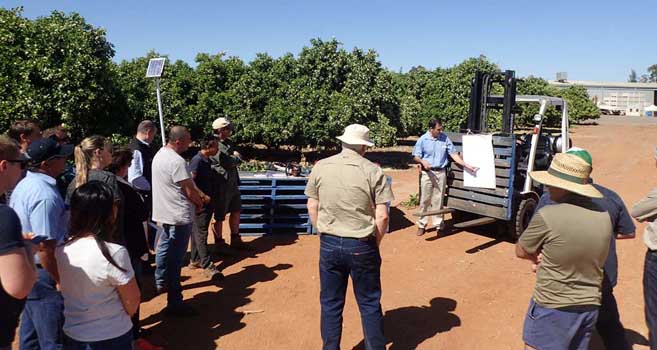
[356, 134]
[568, 172]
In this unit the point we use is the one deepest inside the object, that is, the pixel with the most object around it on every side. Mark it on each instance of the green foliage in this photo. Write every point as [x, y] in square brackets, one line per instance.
[412, 201]
[632, 78]
[441, 93]
[119, 140]
[58, 69]
[580, 106]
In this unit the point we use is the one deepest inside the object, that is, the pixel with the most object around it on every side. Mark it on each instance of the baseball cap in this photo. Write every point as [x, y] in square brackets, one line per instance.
[46, 149]
[220, 123]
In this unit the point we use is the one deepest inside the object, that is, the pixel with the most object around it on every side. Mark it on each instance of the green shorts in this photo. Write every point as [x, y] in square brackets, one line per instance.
[228, 202]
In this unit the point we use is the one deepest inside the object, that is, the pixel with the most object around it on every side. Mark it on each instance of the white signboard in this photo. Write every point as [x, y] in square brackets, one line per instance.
[155, 67]
[478, 152]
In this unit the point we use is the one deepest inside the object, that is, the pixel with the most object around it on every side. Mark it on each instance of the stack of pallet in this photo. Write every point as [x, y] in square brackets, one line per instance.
[273, 204]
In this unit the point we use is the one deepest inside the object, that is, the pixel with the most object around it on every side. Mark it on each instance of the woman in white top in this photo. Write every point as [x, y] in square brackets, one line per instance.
[96, 277]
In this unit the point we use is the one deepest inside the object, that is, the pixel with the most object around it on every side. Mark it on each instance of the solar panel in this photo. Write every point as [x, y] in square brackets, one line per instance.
[155, 67]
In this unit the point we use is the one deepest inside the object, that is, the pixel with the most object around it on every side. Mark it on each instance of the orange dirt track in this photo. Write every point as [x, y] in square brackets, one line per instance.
[461, 291]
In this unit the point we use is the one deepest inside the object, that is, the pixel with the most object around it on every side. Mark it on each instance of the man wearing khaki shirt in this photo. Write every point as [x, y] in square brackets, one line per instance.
[347, 196]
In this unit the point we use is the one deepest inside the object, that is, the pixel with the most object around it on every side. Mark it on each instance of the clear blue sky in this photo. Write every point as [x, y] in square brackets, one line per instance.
[591, 40]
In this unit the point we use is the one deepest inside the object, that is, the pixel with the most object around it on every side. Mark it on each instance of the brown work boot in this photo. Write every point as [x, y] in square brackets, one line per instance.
[237, 243]
[223, 249]
[193, 265]
[420, 231]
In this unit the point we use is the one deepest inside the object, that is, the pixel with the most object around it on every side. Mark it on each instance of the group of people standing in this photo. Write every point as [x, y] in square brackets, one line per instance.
[72, 254]
[71, 262]
[571, 242]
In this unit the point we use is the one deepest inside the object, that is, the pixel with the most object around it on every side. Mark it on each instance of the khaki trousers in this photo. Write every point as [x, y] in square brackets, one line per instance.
[432, 188]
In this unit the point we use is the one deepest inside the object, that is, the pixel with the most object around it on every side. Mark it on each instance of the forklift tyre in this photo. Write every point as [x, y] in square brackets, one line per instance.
[521, 220]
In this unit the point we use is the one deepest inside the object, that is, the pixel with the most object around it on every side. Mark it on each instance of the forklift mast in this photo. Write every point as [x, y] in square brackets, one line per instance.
[481, 101]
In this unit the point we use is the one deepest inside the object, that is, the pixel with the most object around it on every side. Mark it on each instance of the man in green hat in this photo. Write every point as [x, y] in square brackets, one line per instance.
[573, 238]
[609, 326]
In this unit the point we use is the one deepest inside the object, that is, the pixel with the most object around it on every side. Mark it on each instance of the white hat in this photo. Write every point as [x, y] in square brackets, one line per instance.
[356, 134]
[220, 123]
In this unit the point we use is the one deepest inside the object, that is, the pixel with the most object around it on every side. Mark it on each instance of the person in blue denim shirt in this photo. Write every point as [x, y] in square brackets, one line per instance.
[347, 197]
[41, 210]
[432, 152]
[608, 325]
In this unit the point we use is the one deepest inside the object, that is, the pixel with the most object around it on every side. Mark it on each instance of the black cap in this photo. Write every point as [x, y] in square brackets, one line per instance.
[46, 149]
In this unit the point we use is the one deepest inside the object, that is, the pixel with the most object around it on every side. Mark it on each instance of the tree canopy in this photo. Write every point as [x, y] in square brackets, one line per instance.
[59, 69]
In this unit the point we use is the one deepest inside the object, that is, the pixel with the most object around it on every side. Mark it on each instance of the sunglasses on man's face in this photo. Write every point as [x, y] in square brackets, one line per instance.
[21, 162]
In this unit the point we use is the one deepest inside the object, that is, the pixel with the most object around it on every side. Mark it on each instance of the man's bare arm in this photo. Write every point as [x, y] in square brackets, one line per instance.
[191, 192]
[47, 260]
[381, 218]
[17, 272]
[458, 160]
[423, 163]
[313, 209]
[522, 254]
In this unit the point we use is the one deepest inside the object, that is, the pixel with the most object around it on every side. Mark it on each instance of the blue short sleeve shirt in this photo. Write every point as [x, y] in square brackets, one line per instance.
[40, 207]
[434, 150]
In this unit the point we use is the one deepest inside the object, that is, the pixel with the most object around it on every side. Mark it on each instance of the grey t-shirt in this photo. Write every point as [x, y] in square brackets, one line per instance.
[170, 205]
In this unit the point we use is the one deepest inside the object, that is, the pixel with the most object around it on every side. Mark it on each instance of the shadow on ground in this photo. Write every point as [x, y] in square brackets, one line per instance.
[218, 311]
[258, 246]
[398, 220]
[632, 336]
[252, 249]
[407, 327]
[495, 231]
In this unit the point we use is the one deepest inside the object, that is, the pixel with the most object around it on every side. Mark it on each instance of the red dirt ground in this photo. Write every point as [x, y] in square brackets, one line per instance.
[462, 291]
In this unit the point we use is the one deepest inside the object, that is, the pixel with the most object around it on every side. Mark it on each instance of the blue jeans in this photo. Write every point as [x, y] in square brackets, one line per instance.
[43, 316]
[171, 251]
[123, 342]
[556, 329]
[340, 258]
[650, 296]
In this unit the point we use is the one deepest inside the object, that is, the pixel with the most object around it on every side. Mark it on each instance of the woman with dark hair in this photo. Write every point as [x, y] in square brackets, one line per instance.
[136, 213]
[96, 277]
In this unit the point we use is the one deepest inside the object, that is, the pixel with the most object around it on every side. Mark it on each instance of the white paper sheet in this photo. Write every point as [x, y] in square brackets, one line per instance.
[478, 152]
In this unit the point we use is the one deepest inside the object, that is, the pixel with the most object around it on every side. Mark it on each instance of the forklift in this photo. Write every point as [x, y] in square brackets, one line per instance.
[511, 204]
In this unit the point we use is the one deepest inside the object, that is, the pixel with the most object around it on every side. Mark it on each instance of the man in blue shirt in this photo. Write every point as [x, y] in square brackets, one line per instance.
[42, 212]
[608, 325]
[432, 152]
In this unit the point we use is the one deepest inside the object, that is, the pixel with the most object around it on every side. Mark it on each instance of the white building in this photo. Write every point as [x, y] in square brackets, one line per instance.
[618, 98]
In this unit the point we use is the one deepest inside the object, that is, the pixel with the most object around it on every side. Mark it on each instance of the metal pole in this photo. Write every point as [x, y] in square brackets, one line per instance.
[159, 109]
[534, 145]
